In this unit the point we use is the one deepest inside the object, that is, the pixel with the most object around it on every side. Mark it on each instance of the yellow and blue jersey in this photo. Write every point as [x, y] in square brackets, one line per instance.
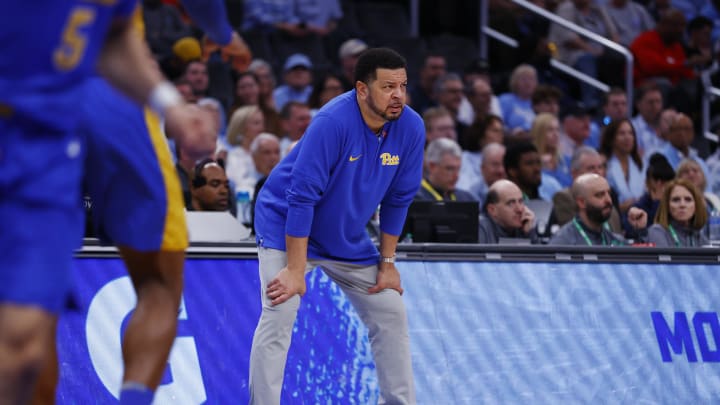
[49, 48]
[130, 176]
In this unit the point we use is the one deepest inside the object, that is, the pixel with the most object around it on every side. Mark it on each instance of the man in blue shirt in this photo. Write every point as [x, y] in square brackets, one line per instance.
[297, 75]
[363, 149]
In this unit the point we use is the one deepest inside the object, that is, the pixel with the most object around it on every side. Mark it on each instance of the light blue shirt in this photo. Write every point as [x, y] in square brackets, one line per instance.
[548, 187]
[631, 188]
[517, 113]
[647, 140]
[470, 171]
[674, 157]
[284, 94]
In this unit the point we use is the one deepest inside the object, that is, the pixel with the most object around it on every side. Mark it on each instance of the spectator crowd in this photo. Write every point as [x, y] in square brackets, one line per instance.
[548, 159]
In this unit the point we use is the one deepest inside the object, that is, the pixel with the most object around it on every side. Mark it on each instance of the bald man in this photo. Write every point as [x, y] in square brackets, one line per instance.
[592, 197]
[584, 160]
[507, 216]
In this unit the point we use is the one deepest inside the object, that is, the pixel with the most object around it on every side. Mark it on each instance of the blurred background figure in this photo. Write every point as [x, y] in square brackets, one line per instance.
[245, 124]
[422, 94]
[483, 132]
[516, 105]
[691, 171]
[438, 124]
[326, 87]
[545, 135]
[442, 166]
[657, 175]
[680, 136]
[294, 120]
[297, 81]
[624, 165]
[492, 169]
[348, 54]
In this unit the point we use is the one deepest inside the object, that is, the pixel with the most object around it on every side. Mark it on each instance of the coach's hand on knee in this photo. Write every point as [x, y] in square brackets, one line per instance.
[286, 284]
[388, 277]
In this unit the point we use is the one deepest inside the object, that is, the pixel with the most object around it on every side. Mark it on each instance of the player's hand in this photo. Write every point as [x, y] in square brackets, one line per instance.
[192, 128]
[637, 218]
[285, 285]
[236, 52]
[387, 277]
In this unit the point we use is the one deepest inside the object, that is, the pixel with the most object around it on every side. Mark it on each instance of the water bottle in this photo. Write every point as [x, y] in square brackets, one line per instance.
[714, 226]
[242, 199]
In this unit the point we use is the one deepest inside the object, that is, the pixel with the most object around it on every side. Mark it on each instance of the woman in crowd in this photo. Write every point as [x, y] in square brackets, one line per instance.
[658, 175]
[487, 130]
[245, 124]
[680, 217]
[325, 88]
[624, 165]
[248, 91]
[545, 134]
[690, 170]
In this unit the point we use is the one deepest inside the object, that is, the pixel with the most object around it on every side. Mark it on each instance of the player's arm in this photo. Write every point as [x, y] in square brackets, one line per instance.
[211, 17]
[127, 63]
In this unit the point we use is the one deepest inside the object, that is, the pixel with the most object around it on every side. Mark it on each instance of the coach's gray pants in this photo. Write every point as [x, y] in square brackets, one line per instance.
[383, 314]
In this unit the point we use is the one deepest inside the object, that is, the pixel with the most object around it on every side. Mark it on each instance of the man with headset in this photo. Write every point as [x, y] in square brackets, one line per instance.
[210, 187]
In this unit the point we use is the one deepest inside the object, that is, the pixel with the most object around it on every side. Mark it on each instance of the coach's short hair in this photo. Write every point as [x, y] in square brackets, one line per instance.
[377, 58]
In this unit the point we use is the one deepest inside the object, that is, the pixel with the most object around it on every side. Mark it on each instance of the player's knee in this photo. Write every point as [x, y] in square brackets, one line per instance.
[23, 356]
[155, 294]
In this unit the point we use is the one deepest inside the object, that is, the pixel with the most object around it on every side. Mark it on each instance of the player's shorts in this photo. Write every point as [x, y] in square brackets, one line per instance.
[41, 214]
[130, 176]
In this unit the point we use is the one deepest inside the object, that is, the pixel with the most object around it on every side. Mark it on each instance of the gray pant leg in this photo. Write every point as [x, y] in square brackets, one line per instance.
[272, 336]
[385, 317]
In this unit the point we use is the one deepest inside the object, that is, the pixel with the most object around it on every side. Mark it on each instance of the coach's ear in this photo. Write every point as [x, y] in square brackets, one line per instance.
[362, 89]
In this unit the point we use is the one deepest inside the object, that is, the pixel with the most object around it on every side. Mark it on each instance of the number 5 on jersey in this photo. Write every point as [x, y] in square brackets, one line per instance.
[72, 45]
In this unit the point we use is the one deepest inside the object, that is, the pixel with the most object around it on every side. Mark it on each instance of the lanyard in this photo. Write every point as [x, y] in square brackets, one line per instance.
[585, 236]
[676, 239]
[434, 193]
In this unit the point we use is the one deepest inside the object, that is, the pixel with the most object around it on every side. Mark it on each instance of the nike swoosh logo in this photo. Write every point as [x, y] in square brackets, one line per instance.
[354, 158]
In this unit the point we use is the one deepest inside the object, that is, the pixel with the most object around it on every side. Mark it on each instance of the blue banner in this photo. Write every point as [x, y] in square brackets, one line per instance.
[329, 361]
[480, 333]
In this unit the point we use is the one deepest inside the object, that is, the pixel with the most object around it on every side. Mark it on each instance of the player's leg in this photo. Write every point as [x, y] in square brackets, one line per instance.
[138, 205]
[41, 226]
[158, 281]
[46, 386]
[271, 341]
[385, 317]
[26, 332]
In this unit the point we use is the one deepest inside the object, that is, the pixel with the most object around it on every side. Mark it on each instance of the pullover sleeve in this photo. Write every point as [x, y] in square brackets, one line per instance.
[319, 154]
